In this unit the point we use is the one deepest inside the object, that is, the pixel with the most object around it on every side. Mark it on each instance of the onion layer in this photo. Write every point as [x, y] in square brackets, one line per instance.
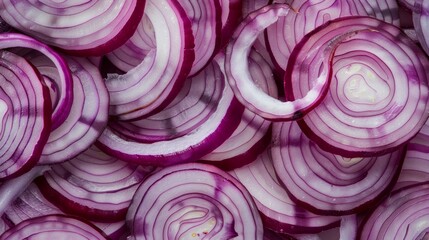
[53, 227]
[193, 201]
[85, 28]
[326, 183]
[25, 109]
[378, 98]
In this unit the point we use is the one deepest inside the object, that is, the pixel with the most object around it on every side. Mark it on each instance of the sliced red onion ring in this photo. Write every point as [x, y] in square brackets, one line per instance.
[196, 102]
[237, 69]
[413, 170]
[4, 27]
[84, 28]
[193, 200]
[231, 17]
[25, 109]
[326, 183]
[421, 22]
[284, 35]
[32, 204]
[92, 185]
[378, 98]
[65, 86]
[154, 83]
[53, 227]
[206, 27]
[88, 115]
[132, 53]
[403, 215]
[253, 134]
[279, 213]
[207, 136]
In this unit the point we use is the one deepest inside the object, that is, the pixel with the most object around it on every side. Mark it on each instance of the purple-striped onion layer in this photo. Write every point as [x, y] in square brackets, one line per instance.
[88, 115]
[64, 85]
[84, 28]
[278, 212]
[378, 97]
[53, 227]
[196, 102]
[193, 200]
[25, 114]
[402, 215]
[31, 204]
[231, 17]
[285, 34]
[92, 185]
[208, 134]
[153, 84]
[253, 133]
[326, 183]
[133, 52]
[240, 79]
[421, 22]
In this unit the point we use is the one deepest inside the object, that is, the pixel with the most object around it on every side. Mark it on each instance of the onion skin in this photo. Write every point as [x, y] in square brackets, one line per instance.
[109, 35]
[216, 206]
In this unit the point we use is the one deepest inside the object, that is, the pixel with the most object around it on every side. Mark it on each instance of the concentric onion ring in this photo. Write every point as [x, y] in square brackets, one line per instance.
[25, 109]
[80, 27]
[193, 201]
[378, 98]
[53, 227]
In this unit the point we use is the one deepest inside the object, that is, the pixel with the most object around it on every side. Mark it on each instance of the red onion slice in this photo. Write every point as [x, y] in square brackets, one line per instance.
[32, 204]
[193, 200]
[25, 109]
[284, 35]
[196, 102]
[206, 27]
[253, 134]
[231, 16]
[92, 185]
[132, 53]
[378, 98]
[85, 28]
[64, 85]
[88, 115]
[152, 85]
[326, 183]
[403, 215]
[421, 22]
[187, 148]
[237, 69]
[279, 213]
[53, 227]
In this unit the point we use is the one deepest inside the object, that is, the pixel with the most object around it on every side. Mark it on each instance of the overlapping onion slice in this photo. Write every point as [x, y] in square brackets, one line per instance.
[84, 28]
[92, 185]
[87, 117]
[253, 133]
[403, 215]
[240, 79]
[285, 34]
[326, 183]
[279, 213]
[25, 109]
[378, 97]
[421, 22]
[31, 204]
[133, 52]
[64, 85]
[53, 227]
[231, 16]
[184, 134]
[193, 200]
[153, 84]
[413, 170]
